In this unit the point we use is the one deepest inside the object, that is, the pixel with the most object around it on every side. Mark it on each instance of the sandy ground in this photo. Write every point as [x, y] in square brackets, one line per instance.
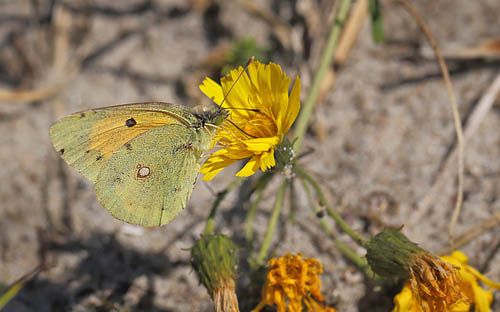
[379, 140]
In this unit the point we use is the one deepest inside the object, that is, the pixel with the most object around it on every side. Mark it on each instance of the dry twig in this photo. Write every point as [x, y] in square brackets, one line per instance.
[424, 206]
[351, 31]
[472, 233]
[480, 111]
[61, 70]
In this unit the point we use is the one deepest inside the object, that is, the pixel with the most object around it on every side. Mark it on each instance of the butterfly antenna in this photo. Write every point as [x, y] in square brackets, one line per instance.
[255, 110]
[252, 136]
[250, 61]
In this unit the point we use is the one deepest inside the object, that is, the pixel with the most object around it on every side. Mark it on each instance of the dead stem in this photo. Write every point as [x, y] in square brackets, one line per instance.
[425, 204]
[351, 31]
[473, 232]
[61, 70]
[477, 116]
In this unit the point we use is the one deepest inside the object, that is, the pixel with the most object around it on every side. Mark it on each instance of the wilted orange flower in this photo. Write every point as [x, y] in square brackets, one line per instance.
[446, 285]
[261, 113]
[292, 283]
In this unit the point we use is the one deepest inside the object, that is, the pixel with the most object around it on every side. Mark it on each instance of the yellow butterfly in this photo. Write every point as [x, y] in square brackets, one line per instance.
[143, 158]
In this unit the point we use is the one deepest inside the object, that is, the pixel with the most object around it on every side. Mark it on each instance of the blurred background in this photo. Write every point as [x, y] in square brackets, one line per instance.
[379, 139]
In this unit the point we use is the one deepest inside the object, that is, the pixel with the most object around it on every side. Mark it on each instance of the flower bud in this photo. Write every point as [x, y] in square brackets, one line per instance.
[214, 259]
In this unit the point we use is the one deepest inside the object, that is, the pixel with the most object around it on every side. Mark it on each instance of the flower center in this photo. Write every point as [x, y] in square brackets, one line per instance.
[259, 126]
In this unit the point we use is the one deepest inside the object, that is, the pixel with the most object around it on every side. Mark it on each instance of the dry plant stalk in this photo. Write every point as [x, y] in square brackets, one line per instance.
[351, 31]
[61, 70]
[225, 300]
[473, 232]
[488, 49]
[424, 206]
[480, 112]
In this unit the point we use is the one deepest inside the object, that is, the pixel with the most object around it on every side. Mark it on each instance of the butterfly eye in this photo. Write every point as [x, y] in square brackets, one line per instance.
[219, 119]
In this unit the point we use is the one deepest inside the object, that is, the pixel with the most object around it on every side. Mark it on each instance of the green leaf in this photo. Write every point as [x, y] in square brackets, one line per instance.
[376, 16]
[242, 50]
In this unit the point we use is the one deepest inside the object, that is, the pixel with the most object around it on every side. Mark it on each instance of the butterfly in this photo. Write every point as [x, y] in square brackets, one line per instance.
[143, 158]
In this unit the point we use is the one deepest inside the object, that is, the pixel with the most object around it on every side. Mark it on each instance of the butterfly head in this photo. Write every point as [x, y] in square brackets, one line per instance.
[213, 117]
[218, 116]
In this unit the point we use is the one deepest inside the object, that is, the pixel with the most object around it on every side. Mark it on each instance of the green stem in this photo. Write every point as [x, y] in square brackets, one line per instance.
[293, 201]
[14, 288]
[336, 217]
[325, 63]
[259, 187]
[251, 217]
[210, 223]
[273, 220]
[344, 249]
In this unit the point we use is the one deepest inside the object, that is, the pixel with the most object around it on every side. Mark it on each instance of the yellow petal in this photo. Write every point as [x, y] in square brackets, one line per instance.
[460, 259]
[213, 90]
[278, 93]
[458, 256]
[293, 107]
[253, 71]
[238, 94]
[232, 153]
[459, 306]
[405, 301]
[483, 278]
[262, 144]
[213, 166]
[250, 168]
[482, 298]
[267, 160]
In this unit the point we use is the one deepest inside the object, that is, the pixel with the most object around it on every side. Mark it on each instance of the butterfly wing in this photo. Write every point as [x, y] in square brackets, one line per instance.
[148, 180]
[87, 140]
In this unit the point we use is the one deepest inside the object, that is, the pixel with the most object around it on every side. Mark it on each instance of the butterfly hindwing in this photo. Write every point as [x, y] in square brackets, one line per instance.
[148, 180]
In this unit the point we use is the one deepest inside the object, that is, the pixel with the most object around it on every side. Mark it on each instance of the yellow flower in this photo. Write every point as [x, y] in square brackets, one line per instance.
[292, 282]
[446, 290]
[261, 113]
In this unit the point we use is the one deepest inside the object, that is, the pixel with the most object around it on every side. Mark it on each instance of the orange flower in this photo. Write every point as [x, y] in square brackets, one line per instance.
[293, 282]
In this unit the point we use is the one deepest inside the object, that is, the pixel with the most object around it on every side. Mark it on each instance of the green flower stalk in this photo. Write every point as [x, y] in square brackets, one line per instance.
[214, 259]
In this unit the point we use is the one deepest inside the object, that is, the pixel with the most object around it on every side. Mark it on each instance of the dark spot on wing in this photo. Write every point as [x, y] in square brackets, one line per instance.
[61, 151]
[98, 157]
[88, 151]
[130, 122]
[128, 146]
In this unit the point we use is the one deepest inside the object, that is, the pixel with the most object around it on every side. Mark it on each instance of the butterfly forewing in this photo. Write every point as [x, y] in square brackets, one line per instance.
[86, 140]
